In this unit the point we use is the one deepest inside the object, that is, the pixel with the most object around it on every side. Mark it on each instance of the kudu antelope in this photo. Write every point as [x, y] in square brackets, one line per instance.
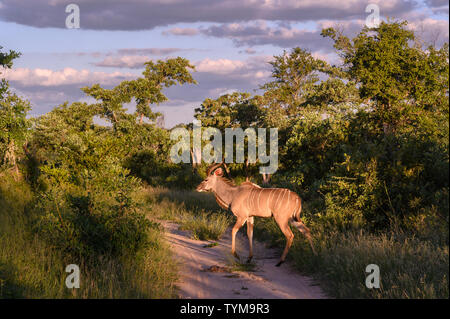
[248, 200]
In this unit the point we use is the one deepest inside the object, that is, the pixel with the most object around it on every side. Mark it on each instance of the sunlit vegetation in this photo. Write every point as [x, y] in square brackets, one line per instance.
[365, 143]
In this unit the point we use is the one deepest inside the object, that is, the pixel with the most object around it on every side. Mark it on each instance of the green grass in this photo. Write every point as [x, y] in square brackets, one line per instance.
[409, 267]
[195, 212]
[30, 268]
[211, 245]
[205, 226]
[243, 266]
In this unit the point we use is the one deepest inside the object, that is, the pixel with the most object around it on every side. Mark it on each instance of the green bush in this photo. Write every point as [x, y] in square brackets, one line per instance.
[31, 266]
[352, 176]
[157, 171]
[100, 218]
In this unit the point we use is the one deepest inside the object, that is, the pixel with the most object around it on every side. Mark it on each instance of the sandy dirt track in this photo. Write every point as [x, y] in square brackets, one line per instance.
[206, 272]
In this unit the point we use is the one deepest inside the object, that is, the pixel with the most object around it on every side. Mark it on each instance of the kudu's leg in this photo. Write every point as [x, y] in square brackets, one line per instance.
[305, 231]
[239, 223]
[250, 223]
[284, 226]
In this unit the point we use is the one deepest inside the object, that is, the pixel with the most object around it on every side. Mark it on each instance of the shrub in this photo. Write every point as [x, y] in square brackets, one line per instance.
[99, 218]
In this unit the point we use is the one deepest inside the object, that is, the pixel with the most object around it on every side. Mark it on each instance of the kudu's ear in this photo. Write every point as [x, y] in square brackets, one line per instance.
[212, 168]
[218, 172]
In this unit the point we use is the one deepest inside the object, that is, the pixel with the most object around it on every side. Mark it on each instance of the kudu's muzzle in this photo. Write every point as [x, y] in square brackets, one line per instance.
[201, 187]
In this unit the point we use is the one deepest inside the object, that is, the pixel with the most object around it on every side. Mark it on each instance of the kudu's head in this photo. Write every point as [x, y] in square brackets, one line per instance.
[210, 182]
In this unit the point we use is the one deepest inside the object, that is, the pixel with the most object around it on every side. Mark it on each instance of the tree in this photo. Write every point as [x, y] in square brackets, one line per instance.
[236, 110]
[13, 122]
[145, 90]
[6, 61]
[13, 127]
[230, 110]
[397, 77]
[295, 75]
[334, 95]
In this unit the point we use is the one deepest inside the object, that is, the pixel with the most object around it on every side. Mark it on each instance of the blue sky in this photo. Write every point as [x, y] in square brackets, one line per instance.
[230, 42]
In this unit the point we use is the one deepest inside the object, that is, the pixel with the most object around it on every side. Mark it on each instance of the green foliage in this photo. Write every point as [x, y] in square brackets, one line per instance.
[155, 170]
[13, 126]
[314, 145]
[13, 113]
[232, 111]
[295, 75]
[85, 192]
[98, 217]
[145, 91]
[31, 267]
[371, 149]
[334, 95]
[365, 143]
[351, 174]
[6, 61]
[228, 111]
[86, 206]
[397, 77]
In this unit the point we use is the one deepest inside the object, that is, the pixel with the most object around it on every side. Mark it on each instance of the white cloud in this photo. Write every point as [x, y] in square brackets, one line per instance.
[181, 31]
[220, 66]
[261, 33]
[177, 111]
[128, 61]
[66, 76]
[215, 93]
[254, 70]
[430, 31]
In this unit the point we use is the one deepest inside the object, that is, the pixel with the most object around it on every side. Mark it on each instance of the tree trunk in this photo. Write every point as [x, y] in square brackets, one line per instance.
[10, 158]
[246, 169]
[194, 164]
[266, 178]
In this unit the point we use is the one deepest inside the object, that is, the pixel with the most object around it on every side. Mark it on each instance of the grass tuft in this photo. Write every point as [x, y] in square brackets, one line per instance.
[195, 212]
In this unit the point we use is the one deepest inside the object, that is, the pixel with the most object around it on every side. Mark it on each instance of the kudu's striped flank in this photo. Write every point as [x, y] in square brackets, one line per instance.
[248, 200]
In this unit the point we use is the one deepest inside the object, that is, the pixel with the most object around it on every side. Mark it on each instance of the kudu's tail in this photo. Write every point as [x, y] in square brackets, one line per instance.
[297, 222]
[297, 211]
